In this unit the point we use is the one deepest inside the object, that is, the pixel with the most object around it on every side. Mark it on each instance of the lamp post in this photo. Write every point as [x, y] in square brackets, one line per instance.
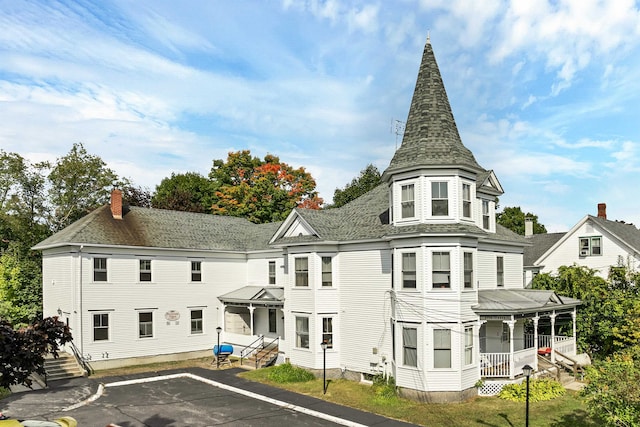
[323, 344]
[218, 330]
[527, 371]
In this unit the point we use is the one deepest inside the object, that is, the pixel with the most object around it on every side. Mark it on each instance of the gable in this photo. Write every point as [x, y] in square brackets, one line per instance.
[294, 226]
[488, 183]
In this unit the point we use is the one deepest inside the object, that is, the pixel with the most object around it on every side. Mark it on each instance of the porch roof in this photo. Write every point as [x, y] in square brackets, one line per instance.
[255, 295]
[512, 301]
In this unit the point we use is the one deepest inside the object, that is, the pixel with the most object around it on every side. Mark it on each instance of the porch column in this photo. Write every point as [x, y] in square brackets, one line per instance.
[536, 319]
[553, 336]
[512, 324]
[251, 310]
[575, 331]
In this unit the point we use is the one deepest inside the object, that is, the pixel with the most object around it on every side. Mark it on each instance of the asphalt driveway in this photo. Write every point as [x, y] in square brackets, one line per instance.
[193, 397]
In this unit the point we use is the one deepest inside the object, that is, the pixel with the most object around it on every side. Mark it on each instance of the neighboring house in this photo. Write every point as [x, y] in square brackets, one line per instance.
[594, 242]
[414, 279]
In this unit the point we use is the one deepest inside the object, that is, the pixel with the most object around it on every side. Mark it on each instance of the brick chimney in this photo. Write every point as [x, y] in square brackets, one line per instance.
[116, 203]
[602, 210]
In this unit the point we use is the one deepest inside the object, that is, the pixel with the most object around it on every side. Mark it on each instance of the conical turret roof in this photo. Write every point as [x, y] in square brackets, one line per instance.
[431, 138]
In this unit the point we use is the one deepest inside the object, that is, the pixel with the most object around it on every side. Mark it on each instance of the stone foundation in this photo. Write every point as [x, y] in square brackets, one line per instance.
[438, 396]
[145, 360]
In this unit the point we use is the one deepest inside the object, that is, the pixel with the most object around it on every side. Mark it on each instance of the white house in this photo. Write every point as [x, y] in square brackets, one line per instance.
[413, 279]
[594, 242]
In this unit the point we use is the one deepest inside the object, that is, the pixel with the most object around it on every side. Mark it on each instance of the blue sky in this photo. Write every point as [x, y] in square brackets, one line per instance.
[545, 93]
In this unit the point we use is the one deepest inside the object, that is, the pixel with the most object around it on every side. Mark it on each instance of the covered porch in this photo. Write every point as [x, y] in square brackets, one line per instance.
[252, 312]
[519, 325]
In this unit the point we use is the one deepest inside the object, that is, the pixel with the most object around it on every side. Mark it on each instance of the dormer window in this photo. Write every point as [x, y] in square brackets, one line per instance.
[466, 200]
[485, 214]
[408, 201]
[439, 199]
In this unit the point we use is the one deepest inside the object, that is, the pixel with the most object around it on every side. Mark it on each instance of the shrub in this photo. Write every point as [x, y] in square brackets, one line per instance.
[384, 388]
[539, 390]
[287, 373]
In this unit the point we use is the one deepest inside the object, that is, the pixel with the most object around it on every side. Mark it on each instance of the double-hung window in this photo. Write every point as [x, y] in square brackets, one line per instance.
[468, 270]
[272, 272]
[409, 346]
[441, 270]
[409, 271]
[196, 321]
[302, 332]
[101, 327]
[442, 348]
[327, 279]
[302, 271]
[327, 331]
[439, 199]
[196, 271]
[468, 345]
[145, 323]
[485, 215]
[590, 246]
[500, 271]
[99, 269]
[408, 203]
[145, 270]
[466, 200]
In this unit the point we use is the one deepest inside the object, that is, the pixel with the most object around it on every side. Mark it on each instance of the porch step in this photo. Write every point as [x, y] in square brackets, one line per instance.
[65, 366]
[552, 370]
[262, 358]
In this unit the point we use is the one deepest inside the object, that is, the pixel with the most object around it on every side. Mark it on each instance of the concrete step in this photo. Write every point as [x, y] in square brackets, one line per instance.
[65, 366]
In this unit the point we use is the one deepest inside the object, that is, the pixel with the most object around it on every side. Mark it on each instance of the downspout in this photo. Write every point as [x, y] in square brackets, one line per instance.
[81, 313]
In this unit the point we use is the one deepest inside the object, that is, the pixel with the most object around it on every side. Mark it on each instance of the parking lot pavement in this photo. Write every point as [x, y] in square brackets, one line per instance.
[196, 397]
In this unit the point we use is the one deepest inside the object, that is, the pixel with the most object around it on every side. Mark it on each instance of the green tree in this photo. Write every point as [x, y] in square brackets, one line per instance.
[12, 167]
[513, 218]
[135, 195]
[260, 190]
[188, 192]
[608, 320]
[80, 182]
[612, 394]
[20, 287]
[22, 351]
[368, 179]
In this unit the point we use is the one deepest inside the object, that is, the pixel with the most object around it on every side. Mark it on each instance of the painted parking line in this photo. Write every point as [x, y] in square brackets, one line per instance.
[253, 395]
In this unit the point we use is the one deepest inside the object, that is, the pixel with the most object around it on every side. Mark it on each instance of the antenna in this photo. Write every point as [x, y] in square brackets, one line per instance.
[397, 127]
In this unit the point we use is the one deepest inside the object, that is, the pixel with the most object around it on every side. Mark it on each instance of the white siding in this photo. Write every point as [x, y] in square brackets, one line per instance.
[365, 279]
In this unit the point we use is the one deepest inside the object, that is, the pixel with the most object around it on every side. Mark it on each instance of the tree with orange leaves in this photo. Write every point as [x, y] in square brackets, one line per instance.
[260, 190]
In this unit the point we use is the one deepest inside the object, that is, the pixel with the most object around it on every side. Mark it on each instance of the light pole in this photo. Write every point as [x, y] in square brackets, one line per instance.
[527, 371]
[323, 344]
[218, 330]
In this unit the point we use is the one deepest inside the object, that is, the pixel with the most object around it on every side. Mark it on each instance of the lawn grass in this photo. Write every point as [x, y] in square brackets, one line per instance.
[565, 411]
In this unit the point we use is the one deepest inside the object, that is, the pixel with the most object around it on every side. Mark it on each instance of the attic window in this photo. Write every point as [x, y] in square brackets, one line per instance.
[590, 246]
[408, 201]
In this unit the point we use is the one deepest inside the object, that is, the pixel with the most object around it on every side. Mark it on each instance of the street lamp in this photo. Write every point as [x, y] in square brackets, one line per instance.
[218, 330]
[323, 344]
[527, 371]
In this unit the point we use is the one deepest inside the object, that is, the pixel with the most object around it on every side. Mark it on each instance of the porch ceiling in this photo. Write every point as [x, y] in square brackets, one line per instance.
[255, 295]
[519, 301]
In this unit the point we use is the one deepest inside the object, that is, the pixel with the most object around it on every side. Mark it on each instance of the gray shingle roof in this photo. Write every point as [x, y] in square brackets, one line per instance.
[540, 243]
[367, 217]
[164, 229]
[626, 232]
[431, 136]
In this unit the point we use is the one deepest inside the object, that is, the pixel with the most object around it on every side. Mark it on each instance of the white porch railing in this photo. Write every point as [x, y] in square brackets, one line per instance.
[507, 365]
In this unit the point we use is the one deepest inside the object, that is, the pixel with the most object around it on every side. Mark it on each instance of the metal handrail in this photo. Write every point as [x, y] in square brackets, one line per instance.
[252, 347]
[272, 347]
[81, 360]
